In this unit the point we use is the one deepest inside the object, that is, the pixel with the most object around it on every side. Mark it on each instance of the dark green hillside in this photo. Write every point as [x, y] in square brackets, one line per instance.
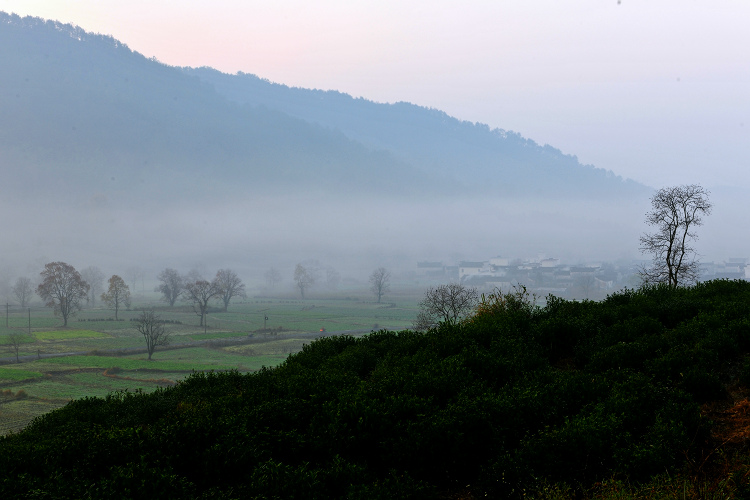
[515, 400]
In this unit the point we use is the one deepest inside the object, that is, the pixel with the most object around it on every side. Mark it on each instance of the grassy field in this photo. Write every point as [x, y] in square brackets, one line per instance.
[240, 339]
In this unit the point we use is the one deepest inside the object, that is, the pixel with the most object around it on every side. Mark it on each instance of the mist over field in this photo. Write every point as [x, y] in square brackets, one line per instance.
[119, 161]
[255, 234]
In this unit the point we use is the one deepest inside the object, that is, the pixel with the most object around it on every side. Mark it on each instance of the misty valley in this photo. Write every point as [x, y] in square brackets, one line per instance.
[222, 287]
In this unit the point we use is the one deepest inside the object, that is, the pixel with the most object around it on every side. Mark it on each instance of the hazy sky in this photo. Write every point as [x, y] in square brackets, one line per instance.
[655, 91]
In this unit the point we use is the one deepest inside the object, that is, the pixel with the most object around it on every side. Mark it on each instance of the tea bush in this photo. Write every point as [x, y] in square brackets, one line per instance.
[513, 400]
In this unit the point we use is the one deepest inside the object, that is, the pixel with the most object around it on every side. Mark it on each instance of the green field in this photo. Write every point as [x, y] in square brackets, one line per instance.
[69, 335]
[115, 357]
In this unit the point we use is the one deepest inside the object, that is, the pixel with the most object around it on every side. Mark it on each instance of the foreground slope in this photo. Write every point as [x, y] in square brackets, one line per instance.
[515, 399]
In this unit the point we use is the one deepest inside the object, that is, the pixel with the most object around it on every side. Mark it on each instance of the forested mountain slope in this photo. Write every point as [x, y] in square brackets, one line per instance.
[80, 109]
[85, 110]
[469, 153]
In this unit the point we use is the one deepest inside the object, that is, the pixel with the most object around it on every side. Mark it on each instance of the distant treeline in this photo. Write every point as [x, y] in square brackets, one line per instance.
[513, 401]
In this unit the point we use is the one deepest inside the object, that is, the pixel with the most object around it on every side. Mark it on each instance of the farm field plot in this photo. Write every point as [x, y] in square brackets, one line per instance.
[240, 339]
[50, 383]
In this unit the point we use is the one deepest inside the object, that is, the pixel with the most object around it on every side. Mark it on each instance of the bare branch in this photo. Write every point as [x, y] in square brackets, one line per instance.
[675, 212]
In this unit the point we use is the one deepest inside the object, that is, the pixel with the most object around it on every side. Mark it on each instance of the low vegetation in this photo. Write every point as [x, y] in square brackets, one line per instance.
[642, 395]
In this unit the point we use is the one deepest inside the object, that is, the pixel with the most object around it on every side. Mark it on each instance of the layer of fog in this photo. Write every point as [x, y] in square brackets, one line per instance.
[353, 236]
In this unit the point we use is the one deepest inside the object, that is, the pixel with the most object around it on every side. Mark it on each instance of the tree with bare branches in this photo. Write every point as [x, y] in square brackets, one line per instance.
[95, 279]
[152, 328]
[22, 290]
[380, 282]
[117, 295]
[230, 285]
[676, 211]
[172, 285]
[15, 339]
[200, 293]
[445, 304]
[273, 277]
[134, 274]
[63, 289]
[304, 278]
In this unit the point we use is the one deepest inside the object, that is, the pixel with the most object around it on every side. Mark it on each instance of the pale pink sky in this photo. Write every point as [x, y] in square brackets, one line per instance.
[650, 90]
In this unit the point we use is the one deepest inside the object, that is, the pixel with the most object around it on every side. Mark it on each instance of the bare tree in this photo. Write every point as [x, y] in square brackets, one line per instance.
[62, 288]
[171, 285]
[380, 282]
[200, 293]
[273, 277]
[95, 278]
[304, 278]
[152, 328]
[445, 304]
[118, 293]
[585, 282]
[134, 274]
[22, 290]
[676, 211]
[15, 339]
[333, 278]
[230, 285]
[195, 274]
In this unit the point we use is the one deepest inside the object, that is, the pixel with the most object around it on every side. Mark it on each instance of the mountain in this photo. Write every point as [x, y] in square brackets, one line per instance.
[86, 110]
[467, 153]
[108, 155]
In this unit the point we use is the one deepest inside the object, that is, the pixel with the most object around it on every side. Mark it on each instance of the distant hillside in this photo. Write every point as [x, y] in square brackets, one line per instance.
[84, 111]
[465, 152]
[88, 110]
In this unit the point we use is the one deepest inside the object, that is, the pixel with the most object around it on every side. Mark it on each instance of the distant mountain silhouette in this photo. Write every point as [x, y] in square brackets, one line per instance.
[83, 112]
[468, 153]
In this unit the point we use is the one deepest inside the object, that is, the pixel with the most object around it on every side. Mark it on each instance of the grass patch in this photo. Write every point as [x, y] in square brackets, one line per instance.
[16, 374]
[25, 339]
[15, 415]
[216, 335]
[69, 334]
[193, 358]
[129, 363]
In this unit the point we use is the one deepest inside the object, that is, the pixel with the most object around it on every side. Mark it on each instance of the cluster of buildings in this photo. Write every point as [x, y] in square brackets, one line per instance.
[545, 276]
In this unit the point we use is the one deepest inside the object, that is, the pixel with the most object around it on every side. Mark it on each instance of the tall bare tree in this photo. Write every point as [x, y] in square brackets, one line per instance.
[445, 304]
[171, 285]
[675, 212]
[117, 294]
[134, 274]
[200, 293]
[63, 289]
[333, 278]
[273, 277]
[22, 290]
[230, 285]
[304, 278]
[152, 328]
[95, 278]
[15, 339]
[380, 282]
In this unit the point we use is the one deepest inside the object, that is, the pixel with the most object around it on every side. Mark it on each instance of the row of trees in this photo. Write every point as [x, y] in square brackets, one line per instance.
[23, 289]
[306, 275]
[64, 289]
[225, 286]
